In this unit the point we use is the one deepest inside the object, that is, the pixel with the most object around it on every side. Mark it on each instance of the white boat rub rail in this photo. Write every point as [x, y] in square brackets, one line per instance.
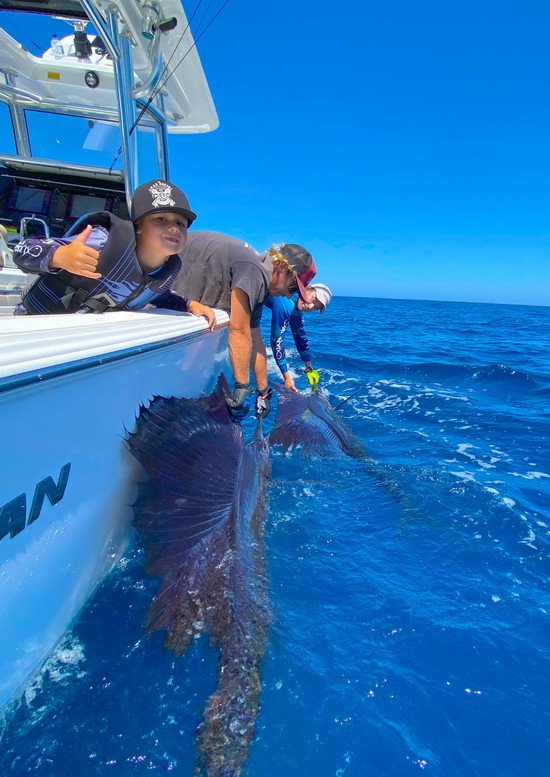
[36, 348]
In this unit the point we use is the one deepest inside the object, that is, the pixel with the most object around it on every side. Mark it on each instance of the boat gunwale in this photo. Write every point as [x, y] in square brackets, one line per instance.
[40, 375]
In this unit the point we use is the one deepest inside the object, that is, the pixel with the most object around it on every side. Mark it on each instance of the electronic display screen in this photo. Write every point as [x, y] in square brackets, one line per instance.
[31, 200]
[84, 203]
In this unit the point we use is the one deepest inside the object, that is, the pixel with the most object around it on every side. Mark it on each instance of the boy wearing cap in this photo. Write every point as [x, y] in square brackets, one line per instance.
[288, 313]
[224, 272]
[113, 264]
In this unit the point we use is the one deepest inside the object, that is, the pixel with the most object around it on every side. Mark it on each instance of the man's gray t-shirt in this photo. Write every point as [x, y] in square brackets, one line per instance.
[213, 264]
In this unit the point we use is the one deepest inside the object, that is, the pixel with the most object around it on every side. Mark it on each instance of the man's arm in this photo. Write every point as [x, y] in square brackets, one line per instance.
[259, 359]
[246, 348]
[240, 337]
[300, 337]
[279, 324]
[282, 314]
[302, 344]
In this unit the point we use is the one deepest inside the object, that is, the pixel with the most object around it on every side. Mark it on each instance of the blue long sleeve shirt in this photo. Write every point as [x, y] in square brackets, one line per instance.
[285, 314]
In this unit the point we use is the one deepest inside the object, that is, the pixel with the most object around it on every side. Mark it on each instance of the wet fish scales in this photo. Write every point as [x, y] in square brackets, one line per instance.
[205, 540]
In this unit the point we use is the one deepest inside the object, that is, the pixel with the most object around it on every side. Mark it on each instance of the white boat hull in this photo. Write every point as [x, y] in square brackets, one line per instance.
[13, 283]
[66, 403]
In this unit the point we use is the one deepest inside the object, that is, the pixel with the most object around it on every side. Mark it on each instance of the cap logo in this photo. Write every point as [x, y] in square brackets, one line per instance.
[162, 194]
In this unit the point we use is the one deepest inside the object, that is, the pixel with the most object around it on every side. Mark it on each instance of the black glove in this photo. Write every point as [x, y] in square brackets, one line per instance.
[239, 401]
[263, 403]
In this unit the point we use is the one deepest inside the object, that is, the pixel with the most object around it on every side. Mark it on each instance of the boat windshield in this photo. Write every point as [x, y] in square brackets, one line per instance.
[42, 119]
[64, 138]
[74, 139]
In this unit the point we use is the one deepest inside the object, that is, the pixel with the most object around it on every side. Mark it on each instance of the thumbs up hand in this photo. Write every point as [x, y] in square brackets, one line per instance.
[77, 257]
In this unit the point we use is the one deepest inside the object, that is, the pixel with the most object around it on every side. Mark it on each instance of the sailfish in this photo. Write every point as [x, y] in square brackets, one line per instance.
[308, 420]
[310, 423]
[200, 516]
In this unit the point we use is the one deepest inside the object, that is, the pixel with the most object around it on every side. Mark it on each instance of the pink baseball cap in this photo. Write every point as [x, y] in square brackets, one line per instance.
[303, 264]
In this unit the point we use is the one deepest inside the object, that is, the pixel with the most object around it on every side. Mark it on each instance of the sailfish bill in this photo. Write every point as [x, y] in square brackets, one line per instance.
[200, 516]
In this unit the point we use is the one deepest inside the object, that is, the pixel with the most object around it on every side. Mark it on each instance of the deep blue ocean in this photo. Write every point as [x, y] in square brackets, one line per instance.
[410, 628]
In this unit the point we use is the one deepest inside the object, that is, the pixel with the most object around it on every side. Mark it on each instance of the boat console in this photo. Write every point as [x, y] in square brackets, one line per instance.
[43, 199]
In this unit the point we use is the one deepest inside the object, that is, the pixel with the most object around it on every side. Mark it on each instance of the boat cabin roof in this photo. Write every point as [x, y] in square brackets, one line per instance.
[70, 8]
[165, 64]
[46, 167]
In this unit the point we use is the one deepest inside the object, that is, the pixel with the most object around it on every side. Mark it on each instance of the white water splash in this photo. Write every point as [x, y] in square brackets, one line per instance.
[530, 475]
[468, 476]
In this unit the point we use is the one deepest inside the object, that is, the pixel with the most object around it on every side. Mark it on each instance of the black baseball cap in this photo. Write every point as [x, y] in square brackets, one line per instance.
[160, 195]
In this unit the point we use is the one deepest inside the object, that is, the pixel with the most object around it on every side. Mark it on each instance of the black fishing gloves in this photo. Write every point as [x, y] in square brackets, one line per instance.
[239, 401]
[263, 403]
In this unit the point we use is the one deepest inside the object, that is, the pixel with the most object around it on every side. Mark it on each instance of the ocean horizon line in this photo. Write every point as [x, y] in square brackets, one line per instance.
[445, 301]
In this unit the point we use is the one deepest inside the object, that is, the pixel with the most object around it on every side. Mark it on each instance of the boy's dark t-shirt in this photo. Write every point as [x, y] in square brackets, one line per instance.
[213, 264]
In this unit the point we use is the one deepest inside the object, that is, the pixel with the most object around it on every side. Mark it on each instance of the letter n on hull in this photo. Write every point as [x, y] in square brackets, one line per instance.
[14, 513]
[48, 487]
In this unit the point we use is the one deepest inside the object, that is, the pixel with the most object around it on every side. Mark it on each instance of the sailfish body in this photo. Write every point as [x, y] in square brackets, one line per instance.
[200, 516]
[309, 420]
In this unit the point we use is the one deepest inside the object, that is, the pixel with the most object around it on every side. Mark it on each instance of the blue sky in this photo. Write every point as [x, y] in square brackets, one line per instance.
[406, 145]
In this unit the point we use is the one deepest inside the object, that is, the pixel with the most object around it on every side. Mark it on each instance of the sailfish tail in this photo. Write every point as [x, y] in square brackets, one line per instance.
[228, 727]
